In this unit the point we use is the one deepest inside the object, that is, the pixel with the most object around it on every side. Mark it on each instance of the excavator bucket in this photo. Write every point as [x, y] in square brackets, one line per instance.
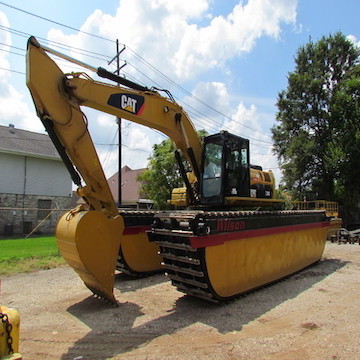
[89, 242]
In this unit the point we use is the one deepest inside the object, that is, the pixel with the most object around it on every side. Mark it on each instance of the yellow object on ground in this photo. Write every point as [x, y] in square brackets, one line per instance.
[9, 323]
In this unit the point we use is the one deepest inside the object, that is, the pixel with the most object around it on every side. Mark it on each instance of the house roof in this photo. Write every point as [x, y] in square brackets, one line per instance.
[17, 141]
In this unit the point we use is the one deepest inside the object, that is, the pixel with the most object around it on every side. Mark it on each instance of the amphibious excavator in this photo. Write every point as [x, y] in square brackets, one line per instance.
[209, 249]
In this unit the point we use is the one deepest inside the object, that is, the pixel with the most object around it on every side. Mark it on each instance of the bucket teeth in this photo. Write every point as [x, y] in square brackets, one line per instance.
[102, 295]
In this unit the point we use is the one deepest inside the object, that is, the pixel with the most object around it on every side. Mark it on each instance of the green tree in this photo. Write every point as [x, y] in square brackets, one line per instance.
[162, 174]
[346, 149]
[309, 138]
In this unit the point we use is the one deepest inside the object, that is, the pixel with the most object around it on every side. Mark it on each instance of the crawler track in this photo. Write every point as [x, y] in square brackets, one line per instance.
[185, 267]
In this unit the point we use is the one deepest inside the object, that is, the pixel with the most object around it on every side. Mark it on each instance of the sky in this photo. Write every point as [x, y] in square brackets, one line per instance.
[224, 62]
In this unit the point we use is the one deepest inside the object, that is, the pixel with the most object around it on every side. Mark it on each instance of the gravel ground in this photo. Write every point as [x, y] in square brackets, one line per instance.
[311, 315]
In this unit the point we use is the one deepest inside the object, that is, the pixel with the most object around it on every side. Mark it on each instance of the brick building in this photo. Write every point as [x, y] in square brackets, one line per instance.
[34, 183]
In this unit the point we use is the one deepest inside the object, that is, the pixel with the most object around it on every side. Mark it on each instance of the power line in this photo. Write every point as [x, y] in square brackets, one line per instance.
[64, 63]
[59, 61]
[55, 43]
[123, 145]
[155, 83]
[13, 47]
[12, 52]
[195, 118]
[55, 22]
[107, 156]
[14, 71]
[180, 101]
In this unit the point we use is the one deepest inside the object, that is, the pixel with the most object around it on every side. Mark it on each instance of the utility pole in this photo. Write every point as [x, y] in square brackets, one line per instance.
[118, 120]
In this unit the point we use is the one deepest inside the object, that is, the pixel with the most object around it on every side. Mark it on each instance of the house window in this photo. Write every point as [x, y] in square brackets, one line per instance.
[46, 206]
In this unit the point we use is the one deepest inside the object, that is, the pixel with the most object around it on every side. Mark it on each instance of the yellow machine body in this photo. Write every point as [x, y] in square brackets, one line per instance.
[91, 239]
[14, 319]
[139, 253]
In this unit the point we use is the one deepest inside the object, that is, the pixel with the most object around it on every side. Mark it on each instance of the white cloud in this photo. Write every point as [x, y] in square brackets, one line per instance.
[243, 121]
[231, 114]
[165, 33]
[139, 140]
[260, 145]
[354, 40]
[5, 39]
[105, 121]
[206, 47]
[213, 94]
[246, 122]
[13, 108]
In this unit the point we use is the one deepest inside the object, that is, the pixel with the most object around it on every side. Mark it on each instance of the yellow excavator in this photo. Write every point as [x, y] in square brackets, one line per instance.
[209, 249]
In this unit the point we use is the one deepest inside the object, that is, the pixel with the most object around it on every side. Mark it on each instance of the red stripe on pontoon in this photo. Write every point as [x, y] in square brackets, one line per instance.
[218, 239]
[131, 230]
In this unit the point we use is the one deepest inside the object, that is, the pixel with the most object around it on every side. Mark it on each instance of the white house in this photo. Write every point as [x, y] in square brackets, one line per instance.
[33, 182]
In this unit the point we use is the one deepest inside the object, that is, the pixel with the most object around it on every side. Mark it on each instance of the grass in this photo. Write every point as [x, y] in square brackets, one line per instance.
[25, 255]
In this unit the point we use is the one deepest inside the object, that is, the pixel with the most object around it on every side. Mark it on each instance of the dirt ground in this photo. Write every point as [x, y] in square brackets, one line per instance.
[314, 314]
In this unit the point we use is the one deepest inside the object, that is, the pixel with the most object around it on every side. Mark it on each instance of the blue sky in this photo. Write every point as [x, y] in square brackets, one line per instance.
[232, 55]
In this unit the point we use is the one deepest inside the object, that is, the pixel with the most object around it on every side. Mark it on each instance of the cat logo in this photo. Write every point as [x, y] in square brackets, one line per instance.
[130, 103]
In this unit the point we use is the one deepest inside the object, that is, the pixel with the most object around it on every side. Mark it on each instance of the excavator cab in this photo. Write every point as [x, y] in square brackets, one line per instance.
[225, 168]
